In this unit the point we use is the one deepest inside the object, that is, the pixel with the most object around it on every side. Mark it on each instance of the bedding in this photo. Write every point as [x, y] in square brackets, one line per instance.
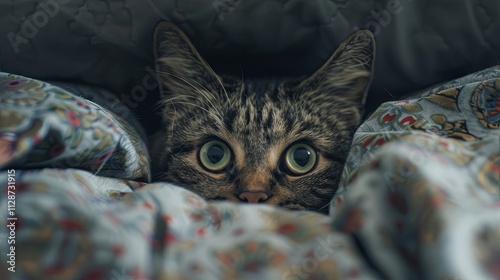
[108, 43]
[419, 196]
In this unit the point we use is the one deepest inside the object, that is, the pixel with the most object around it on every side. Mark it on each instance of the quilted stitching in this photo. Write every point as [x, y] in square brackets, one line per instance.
[93, 30]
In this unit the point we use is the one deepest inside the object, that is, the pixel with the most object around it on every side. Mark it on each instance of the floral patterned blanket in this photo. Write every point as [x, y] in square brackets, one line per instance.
[419, 197]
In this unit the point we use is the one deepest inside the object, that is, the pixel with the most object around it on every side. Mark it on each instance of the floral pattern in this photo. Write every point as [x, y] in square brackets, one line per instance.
[426, 190]
[419, 197]
[43, 125]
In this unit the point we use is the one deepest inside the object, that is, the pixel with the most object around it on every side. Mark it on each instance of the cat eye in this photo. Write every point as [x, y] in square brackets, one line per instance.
[215, 155]
[300, 159]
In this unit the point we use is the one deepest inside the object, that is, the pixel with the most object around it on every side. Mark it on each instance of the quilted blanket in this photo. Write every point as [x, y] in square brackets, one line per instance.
[419, 196]
[108, 42]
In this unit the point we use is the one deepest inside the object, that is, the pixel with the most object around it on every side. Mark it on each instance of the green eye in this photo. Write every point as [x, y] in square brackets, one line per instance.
[300, 159]
[215, 155]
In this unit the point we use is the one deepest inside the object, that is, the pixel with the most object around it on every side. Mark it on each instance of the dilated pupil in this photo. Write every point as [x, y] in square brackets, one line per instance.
[301, 156]
[215, 154]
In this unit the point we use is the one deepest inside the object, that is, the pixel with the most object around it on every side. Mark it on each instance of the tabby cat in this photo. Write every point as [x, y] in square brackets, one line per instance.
[277, 141]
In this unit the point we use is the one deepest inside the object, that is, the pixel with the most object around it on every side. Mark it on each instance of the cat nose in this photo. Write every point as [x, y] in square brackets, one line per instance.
[253, 197]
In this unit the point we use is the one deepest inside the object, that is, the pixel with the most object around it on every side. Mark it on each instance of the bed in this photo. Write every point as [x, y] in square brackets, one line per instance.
[420, 192]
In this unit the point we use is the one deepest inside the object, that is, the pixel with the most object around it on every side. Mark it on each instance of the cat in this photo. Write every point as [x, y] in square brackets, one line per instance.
[282, 142]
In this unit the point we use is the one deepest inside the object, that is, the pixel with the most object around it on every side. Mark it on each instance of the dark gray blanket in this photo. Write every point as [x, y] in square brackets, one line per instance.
[109, 42]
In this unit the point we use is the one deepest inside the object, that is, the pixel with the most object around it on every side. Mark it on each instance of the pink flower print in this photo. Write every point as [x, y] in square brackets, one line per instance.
[70, 225]
[287, 228]
[118, 250]
[15, 83]
[354, 221]
[6, 149]
[387, 118]
[170, 238]
[201, 231]
[83, 105]
[436, 131]
[103, 156]
[73, 118]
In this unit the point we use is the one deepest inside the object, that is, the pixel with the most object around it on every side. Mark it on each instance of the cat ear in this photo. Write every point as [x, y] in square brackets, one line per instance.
[179, 67]
[347, 74]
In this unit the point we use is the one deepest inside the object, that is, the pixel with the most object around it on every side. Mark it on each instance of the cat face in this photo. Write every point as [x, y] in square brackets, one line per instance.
[280, 142]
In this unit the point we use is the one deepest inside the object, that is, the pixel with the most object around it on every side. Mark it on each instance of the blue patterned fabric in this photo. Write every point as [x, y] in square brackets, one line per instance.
[46, 126]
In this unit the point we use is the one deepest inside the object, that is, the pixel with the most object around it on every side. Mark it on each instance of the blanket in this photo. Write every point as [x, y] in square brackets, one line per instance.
[108, 42]
[419, 196]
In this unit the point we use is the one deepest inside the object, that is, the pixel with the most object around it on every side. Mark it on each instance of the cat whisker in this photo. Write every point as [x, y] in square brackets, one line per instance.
[325, 206]
[163, 102]
[225, 92]
[242, 87]
[206, 94]
[159, 176]
[189, 83]
[173, 120]
[159, 105]
[221, 84]
[198, 106]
